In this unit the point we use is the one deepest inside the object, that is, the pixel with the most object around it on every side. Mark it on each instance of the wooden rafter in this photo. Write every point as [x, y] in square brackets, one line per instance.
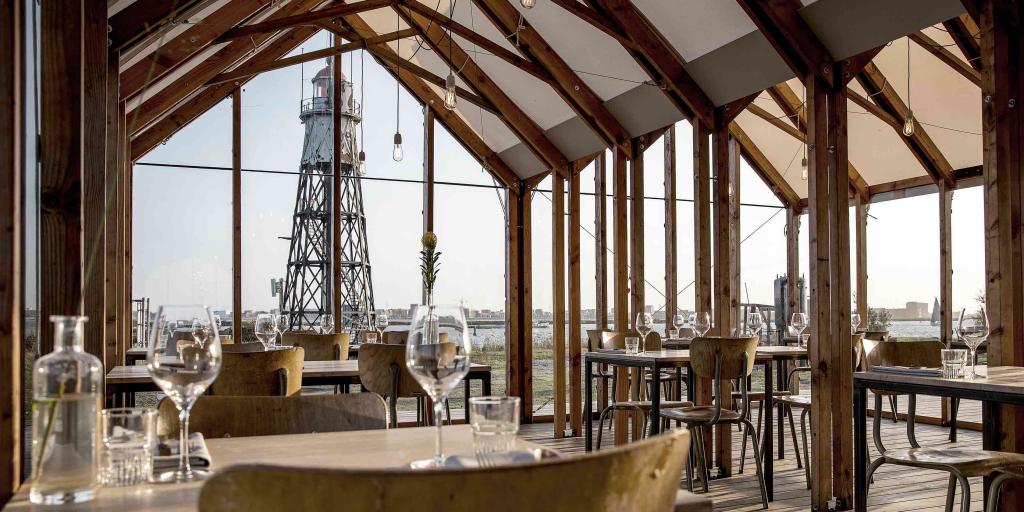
[793, 39]
[764, 168]
[303, 18]
[947, 57]
[472, 36]
[793, 131]
[658, 58]
[920, 144]
[595, 19]
[171, 54]
[873, 108]
[573, 90]
[963, 29]
[139, 19]
[172, 94]
[518, 121]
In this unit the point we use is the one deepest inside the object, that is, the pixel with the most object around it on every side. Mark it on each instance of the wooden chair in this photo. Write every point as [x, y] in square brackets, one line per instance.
[722, 360]
[641, 477]
[383, 370]
[960, 463]
[1002, 475]
[242, 416]
[400, 337]
[263, 373]
[320, 347]
[617, 341]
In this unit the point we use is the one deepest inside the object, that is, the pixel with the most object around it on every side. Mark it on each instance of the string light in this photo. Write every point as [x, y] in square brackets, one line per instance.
[527, 4]
[803, 161]
[908, 123]
[396, 152]
[450, 97]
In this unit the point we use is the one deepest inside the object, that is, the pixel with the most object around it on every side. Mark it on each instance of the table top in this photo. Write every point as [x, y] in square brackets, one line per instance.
[1007, 381]
[139, 374]
[681, 357]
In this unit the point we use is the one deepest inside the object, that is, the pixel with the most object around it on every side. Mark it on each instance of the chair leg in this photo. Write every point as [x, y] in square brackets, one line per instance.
[757, 465]
[600, 426]
[993, 492]
[702, 465]
[689, 465]
[893, 407]
[950, 492]
[954, 406]
[792, 434]
[965, 494]
[743, 448]
[807, 452]
[875, 464]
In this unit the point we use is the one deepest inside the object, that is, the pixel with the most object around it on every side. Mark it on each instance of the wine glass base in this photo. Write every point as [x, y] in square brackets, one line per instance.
[426, 464]
[179, 476]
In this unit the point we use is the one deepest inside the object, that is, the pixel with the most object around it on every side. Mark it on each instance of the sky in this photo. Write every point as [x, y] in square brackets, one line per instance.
[182, 227]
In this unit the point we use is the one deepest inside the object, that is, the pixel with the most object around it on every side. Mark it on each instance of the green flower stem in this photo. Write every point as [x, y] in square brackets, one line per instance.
[48, 431]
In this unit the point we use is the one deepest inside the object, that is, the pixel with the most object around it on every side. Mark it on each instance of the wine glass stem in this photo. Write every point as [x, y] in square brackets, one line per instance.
[974, 362]
[184, 464]
[438, 420]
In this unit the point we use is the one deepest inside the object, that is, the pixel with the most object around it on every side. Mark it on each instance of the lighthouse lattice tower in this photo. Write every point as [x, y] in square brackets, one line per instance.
[308, 285]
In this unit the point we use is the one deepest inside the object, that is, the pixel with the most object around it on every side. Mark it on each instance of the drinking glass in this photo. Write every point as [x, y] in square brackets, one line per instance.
[701, 323]
[798, 322]
[186, 377]
[382, 324]
[126, 456]
[679, 321]
[755, 322]
[327, 324]
[437, 356]
[855, 321]
[644, 325]
[973, 330]
[370, 337]
[266, 329]
[953, 361]
[495, 423]
[281, 325]
[632, 344]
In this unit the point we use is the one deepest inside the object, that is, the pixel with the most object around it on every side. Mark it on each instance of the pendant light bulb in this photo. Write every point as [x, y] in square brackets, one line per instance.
[527, 4]
[361, 164]
[908, 124]
[396, 153]
[803, 168]
[450, 98]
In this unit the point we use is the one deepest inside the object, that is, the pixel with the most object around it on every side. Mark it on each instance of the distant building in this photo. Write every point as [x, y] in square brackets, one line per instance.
[912, 311]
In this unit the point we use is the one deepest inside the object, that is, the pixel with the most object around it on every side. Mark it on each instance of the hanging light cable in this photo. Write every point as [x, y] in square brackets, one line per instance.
[396, 152]
[450, 97]
[908, 123]
[361, 163]
[803, 161]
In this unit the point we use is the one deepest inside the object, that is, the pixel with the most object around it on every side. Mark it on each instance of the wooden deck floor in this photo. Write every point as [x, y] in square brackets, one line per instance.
[896, 489]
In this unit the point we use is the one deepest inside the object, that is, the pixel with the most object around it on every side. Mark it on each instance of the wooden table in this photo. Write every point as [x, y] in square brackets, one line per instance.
[657, 360]
[1000, 385]
[124, 381]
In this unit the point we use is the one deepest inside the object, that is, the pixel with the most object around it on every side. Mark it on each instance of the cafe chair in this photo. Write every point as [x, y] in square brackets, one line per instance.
[722, 360]
[1002, 475]
[383, 370]
[400, 337]
[260, 373]
[611, 340]
[640, 477]
[960, 463]
[243, 416]
[320, 347]
[874, 337]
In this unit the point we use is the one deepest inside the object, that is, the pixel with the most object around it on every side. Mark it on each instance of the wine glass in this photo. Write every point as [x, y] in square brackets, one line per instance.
[973, 330]
[187, 376]
[855, 321]
[327, 323]
[281, 325]
[798, 322]
[755, 322]
[437, 356]
[266, 329]
[381, 323]
[701, 323]
[644, 325]
[679, 321]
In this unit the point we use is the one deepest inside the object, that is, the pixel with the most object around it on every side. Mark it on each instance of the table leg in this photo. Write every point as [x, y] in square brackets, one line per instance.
[860, 448]
[487, 384]
[588, 406]
[781, 384]
[769, 466]
[990, 434]
[691, 386]
[465, 401]
[679, 383]
[655, 399]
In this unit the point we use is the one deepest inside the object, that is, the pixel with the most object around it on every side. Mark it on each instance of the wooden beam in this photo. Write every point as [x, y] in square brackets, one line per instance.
[112, 222]
[428, 173]
[157, 64]
[558, 301]
[12, 130]
[139, 19]
[575, 309]
[236, 214]
[671, 230]
[94, 145]
[338, 48]
[964, 32]
[861, 230]
[702, 241]
[793, 302]
[777, 122]
[587, 105]
[518, 300]
[656, 56]
[303, 18]
[620, 251]
[920, 144]
[791, 36]
[601, 241]
[945, 264]
[764, 167]
[337, 131]
[873, 108]
[637, 284]
[514, 118]
[947, 57]
[472, 36]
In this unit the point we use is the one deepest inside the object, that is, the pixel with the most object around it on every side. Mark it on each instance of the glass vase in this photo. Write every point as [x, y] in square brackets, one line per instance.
[66, 396]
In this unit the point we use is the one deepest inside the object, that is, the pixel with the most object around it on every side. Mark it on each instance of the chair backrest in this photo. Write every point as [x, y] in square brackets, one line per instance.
[876, 335]
[615, 339]
[399, 337]
[265, 373]
[641, 476]
[244, 348]
[704, 351]
[594, 339]
[320, 347]
[905, 353]
[376, 361]
[858, 352]
[652, 341]
[240, 416]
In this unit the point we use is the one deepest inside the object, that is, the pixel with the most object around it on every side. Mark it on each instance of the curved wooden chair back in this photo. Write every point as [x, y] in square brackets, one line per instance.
[907, 353]
[652, 341]
[382, 370]
[320, 347]
[594, 339]
[399, 337]
[244, 348]
[641, 477]
[264, 373]
[242, 416]
[858, 352]
[612, 340]
[876, 335]
[728, 351]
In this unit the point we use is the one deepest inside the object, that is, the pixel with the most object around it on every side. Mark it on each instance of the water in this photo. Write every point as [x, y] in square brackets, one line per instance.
[64, 445]
[494, 437]
[126, 463]
[437, 376]
[182, 384]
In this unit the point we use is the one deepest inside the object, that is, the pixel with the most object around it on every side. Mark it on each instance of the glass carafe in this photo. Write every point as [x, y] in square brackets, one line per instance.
[66, 396]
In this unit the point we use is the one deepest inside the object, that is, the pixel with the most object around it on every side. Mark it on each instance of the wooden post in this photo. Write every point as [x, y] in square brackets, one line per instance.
[236, 214]
[1002, 45]
[702, 248]
[861, 228]
[558, 298]
[334, 287]
[428, 171]
[575, 309]
[793, 302]
[60, 172]
[621, 280]
[671, 245]
[126, 232]
[113, 216]
[601, 241]
[94, 143]
[12, 75]
[518, 299]
[726, 322]
[636, 260]
[945, 263]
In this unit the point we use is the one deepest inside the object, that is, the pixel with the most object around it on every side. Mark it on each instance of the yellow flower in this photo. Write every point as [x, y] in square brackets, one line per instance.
[429, 241]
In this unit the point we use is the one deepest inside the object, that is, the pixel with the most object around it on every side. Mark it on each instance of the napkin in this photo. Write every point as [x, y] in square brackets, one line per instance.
[496, 459]
[168, 452]
[611, 350]
[920, 371]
